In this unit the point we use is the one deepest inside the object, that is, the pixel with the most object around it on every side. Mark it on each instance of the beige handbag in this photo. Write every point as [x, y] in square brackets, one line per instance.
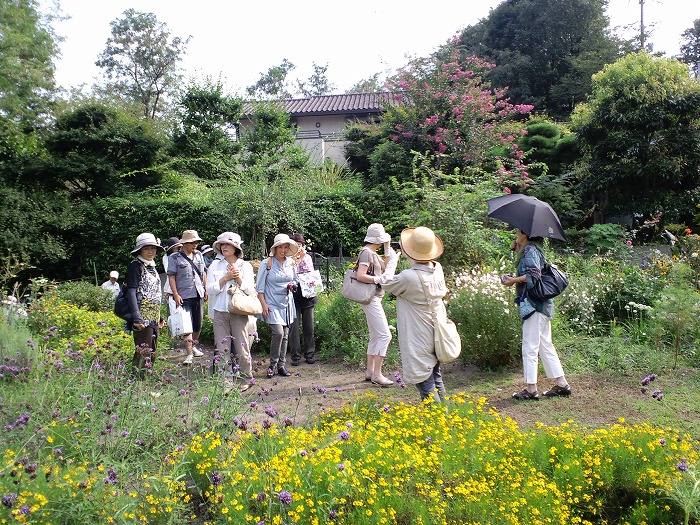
[243, 304]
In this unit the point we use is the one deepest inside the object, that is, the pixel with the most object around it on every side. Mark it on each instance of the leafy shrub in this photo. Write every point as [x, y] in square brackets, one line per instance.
[603, 291]
[87, 295]
[487, 319]
[73, 333]
[341, 328]
[607, 239]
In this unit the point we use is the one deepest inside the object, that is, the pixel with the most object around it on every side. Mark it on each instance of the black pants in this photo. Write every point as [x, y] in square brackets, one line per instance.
[305, 316]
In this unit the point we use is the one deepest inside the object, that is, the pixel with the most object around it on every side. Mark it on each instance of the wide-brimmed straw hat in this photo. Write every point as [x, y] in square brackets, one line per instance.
[146, 239]
[376, 234]
[421, 244]
[227, 238]
[172, 243]
[190, 236]
[283, 238]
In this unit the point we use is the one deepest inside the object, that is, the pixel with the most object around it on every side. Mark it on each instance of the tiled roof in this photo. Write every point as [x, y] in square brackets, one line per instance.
[331, 104]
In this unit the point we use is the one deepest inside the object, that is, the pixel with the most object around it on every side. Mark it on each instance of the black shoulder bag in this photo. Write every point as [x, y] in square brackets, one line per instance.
[121, 303]
[552, 282]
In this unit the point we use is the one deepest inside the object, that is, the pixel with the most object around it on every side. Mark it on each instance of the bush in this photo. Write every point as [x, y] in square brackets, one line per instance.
[487, 319]
[86, 295]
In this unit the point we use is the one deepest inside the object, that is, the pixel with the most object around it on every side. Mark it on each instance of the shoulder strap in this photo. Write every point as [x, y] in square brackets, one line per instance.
[193, 264]
[430, 300]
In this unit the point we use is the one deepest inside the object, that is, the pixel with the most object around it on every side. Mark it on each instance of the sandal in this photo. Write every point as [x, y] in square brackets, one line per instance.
[524, 394]
[557, 390]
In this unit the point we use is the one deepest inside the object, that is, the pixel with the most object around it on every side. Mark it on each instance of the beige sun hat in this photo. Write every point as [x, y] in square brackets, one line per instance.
[190, 236]
[376, 234]
[146, 239]
[283, 238]
[114, 273]
[227, 238]
[421, 244]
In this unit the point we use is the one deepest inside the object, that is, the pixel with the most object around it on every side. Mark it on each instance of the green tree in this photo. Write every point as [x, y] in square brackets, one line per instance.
[95, 150]
[690, 48]
[317, 84]
[372, 84]
[142, 60]
[545, 52]
[27, 49]
[641, 137]
[205, 138]
[273, 84]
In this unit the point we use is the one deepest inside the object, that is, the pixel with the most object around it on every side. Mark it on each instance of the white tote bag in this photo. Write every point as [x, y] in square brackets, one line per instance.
[310, 283]
[179, 322]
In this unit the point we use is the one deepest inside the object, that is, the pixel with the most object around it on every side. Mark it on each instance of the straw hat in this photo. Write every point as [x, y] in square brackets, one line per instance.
[376, 234]
[283, 238]
[421, 244]
[227, 238]
[190, 236]
[146, 239]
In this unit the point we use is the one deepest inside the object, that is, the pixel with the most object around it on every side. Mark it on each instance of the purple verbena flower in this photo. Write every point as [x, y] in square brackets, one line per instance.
[285, 497]
[344, 435]
[216, 478]
[682, 465]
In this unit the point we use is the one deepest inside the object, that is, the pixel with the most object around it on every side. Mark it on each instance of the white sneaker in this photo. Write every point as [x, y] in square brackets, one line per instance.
[197, 352]
[188, 360]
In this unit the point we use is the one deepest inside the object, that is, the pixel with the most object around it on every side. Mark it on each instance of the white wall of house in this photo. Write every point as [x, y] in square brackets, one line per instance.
[322, 137]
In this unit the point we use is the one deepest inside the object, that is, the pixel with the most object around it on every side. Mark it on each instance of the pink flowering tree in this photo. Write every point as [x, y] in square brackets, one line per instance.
[446, 110]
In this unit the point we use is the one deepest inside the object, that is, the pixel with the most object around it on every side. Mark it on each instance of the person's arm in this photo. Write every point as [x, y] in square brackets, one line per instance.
[260, 287]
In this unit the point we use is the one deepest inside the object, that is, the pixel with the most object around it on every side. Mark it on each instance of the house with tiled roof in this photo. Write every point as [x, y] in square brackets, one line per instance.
[320, 121]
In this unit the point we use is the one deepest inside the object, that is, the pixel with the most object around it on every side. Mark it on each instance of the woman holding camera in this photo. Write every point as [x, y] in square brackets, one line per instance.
[275, 284]
[537, 322]
[369, 267]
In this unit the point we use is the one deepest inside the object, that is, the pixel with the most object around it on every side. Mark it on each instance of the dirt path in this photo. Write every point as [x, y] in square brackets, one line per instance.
[597, 399]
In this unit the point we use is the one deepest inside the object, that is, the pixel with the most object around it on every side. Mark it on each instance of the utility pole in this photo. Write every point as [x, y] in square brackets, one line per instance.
[641, 25]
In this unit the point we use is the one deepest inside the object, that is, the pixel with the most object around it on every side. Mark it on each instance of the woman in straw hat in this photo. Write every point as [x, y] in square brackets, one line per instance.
[144, 294]
[275, 284]
[369, 267]
[418, 290]
[228, 270]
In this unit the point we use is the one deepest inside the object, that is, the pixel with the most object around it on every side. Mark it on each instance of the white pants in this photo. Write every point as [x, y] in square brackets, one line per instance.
[537, 340]
[379, 334]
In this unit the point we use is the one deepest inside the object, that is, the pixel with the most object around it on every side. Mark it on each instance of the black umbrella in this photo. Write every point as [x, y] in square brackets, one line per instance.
[533, 216]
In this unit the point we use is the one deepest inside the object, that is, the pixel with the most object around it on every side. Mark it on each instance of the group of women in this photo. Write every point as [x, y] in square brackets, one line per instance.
[418, 290]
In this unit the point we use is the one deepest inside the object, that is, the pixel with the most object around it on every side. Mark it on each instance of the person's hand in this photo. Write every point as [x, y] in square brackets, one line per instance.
[161, 323]
[177, 298]
[139, 326]
[206, 295]
[514, 246]
[265, 310]
[508, 280]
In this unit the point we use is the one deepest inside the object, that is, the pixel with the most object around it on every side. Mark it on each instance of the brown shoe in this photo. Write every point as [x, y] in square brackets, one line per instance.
[524, 394]
[557, 390]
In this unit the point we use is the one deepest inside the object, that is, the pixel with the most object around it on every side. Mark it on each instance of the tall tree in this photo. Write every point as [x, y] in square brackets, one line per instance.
[641, 134]
[317, 84]
[690, 48]
[545, 52]
[273, 84]
[27, 49]
[95, 151]
[206, 137]
[142, 60]
[372, 84]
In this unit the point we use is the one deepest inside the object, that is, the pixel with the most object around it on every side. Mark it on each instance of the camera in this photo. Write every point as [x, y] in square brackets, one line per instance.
[504, 278]
[396, 246]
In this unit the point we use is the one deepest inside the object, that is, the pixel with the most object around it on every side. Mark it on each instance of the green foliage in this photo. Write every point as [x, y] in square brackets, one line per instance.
[142, 60]
[85, 295]
[640, 130]
[95, 150]
[486, 317]
[317, 84]
[204, 141]
[34, 222]
[389, 160]
[28, 49]
[545, 52]
[690, 48]
[362, 139]
[603, 239]
[273, 84]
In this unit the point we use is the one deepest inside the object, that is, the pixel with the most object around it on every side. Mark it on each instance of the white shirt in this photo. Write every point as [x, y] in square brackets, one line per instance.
[112, 287]
[218, 296]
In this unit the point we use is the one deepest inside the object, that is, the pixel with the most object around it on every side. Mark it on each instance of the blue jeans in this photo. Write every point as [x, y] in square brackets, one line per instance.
[433, 386]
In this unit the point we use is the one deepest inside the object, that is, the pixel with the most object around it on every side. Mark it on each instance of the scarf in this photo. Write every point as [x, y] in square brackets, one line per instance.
[146, 261]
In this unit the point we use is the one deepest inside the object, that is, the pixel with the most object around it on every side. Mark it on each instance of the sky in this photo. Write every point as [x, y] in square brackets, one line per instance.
[238, 40]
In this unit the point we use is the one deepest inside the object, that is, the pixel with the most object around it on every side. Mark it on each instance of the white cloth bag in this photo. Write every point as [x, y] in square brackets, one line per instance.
[179, 322]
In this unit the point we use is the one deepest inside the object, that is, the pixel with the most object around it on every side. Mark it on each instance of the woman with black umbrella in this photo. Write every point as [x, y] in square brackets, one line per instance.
[537, 326]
